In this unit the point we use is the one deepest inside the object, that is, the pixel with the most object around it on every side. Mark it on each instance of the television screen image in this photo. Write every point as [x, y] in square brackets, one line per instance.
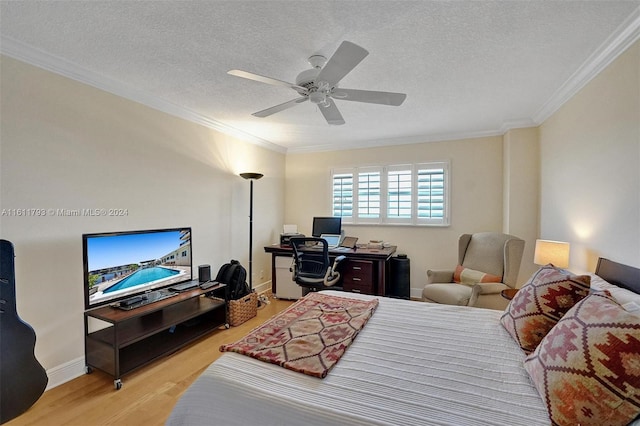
[326, 225]
[120, 265]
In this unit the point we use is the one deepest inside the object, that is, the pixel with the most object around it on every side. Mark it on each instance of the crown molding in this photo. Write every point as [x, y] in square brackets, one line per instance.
[517, 124]
[26, 53]
[625, 35]
[409, 140]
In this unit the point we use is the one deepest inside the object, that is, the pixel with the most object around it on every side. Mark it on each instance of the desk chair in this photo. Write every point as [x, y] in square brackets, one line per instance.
[312, 269]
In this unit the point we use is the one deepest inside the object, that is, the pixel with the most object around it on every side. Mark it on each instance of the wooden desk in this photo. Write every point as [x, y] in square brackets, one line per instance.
[365, 270]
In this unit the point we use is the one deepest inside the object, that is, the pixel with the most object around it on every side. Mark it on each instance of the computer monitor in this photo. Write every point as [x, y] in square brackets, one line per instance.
[326, 225]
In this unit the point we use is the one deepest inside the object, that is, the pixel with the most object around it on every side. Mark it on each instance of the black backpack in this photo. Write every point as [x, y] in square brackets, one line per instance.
[234, 276]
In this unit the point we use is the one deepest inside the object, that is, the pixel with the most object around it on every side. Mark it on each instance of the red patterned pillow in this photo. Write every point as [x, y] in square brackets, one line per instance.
[470, 276]
[541, 302]
[587, 369]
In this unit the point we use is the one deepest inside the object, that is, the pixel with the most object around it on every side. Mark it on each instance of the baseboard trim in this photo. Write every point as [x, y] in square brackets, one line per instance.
[416, 293]
[65, 372]
[263, 288]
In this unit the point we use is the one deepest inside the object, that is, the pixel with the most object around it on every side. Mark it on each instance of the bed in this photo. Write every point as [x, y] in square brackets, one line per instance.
[413, 363]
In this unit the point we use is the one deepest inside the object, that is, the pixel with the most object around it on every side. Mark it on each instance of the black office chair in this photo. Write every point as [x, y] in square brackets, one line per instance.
[312, 269]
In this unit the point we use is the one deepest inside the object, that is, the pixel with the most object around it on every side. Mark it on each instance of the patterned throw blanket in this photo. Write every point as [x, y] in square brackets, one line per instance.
[309, 336]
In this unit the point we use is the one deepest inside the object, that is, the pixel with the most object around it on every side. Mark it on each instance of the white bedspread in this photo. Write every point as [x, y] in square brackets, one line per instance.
[414, 363]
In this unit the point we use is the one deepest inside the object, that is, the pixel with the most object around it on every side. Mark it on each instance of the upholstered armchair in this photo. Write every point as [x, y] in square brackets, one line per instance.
[488, 262]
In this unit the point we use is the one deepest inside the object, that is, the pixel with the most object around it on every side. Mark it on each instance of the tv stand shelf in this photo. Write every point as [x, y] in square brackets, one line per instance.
[136, 337]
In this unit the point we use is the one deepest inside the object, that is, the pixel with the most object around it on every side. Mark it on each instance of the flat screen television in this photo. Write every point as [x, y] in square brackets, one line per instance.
[326, 225]
[120, 265]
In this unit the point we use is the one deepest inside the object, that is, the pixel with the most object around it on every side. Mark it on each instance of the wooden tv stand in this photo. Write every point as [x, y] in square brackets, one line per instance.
[136, 337]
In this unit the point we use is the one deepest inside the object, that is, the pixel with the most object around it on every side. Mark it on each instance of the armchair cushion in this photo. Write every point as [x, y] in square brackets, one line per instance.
[541, 303]
[470, 276]
[447, 293]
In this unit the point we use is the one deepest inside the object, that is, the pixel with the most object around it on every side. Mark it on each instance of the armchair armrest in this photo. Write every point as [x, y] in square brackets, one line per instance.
[490, 288]
[439, 276]
[484, 289]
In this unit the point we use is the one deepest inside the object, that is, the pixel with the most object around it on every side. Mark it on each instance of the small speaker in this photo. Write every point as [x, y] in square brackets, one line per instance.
[204, 273]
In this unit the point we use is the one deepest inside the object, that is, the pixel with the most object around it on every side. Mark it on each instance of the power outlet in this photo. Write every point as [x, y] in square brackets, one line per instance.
[262, 274]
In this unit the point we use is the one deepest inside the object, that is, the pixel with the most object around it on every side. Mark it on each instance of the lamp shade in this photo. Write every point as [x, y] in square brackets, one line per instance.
[255, 176]
[554, 252]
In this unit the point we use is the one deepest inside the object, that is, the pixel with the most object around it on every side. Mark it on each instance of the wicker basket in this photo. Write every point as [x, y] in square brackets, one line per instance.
[243, 309]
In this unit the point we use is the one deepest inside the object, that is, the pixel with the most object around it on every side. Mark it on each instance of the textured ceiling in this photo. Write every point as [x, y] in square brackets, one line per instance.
[469, 68]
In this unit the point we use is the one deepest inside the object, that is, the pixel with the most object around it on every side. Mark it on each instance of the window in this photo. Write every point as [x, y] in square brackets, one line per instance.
[431, 193]
[399, 194]
[413, 194]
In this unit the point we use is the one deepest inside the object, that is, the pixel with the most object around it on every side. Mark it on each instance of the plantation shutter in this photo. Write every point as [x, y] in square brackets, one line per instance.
[431, 187]
[343, 194]
[399, 194]
[369, 193]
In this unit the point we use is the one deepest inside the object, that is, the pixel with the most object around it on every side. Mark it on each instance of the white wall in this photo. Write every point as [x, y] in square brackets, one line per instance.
[590, 178]
[66, 145]
[476, 197]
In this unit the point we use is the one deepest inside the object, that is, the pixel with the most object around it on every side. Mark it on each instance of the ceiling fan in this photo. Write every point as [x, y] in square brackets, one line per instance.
[320, 84]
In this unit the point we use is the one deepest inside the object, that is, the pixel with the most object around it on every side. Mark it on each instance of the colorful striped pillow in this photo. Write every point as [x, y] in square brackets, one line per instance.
[469, 276]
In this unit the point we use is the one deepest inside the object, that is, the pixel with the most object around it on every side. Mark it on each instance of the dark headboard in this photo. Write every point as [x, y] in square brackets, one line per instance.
[621, 275]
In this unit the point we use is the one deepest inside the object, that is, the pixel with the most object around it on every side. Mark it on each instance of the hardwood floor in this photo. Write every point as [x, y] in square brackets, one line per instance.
[147, 395]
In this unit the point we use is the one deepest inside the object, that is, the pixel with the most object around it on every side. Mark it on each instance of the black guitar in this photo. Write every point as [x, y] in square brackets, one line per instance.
[22, 378]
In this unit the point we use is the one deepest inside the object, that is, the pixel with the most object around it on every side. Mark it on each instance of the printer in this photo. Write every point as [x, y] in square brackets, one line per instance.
[285, 238]
[289, 232]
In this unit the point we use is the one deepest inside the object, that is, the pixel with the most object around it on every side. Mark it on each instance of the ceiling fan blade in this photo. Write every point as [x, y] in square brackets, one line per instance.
[268, 80]
[267, 112]
[331, 113]
[346, 58]
[370, 96]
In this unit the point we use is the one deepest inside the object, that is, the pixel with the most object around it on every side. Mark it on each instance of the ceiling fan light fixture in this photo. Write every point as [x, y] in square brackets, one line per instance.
[317, 98]
[325, 104]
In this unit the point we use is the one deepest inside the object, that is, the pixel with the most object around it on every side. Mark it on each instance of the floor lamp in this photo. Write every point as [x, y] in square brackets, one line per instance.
[251, 177]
